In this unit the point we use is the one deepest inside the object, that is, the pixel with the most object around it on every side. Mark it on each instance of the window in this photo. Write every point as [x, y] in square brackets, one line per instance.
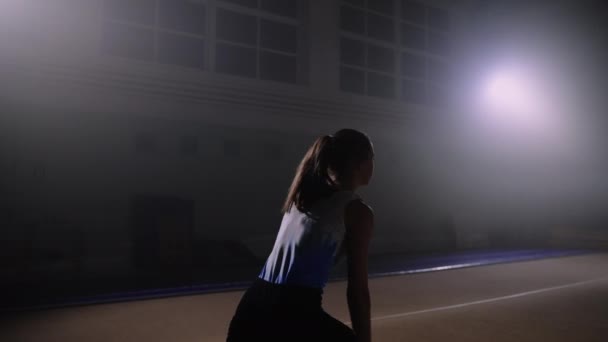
[252, 38]
[253, 42]
[365, 22]
[236, 60]
[424, 27]
[186, 16]
[380, 27]
[394, 49]
[424, 36]
[380, 58]
[165, 31]
[352, 52]
[413, 65]
[352, 20]
[367, 56]
[236, 27]
[278, 36]
[375, 61]
[352, 80]
[413, 37]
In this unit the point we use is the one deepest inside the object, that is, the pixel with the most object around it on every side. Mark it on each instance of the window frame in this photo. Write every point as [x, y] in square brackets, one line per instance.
[210, 39]
[398, 75]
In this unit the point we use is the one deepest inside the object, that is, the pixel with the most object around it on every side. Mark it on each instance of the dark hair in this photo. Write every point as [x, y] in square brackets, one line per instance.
[337, 154]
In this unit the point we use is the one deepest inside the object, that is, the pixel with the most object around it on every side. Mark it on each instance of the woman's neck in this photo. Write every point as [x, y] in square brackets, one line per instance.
[342, 185]
[350, 186]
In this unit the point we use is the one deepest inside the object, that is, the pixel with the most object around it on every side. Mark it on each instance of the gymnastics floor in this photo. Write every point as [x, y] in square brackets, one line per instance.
[556, 299]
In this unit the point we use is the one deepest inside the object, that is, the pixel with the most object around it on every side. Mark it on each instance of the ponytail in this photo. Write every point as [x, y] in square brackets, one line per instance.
[338, 153]
[312, 180]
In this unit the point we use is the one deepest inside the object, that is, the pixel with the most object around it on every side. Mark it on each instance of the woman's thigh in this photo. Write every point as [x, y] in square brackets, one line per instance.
[262, 316]
[319, 328]
[331, 329]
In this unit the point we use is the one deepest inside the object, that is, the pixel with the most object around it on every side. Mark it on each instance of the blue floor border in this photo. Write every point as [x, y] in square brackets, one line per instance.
[383, 266]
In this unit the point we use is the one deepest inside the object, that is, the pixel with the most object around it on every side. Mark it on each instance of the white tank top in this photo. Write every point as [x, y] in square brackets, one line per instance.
[307, 246]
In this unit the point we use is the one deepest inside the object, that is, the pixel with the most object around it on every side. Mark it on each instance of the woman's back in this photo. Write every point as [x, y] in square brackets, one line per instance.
[284, 302]
[308, 244]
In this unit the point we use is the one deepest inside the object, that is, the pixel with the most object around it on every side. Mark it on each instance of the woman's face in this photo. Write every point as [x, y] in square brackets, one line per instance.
[366, 169]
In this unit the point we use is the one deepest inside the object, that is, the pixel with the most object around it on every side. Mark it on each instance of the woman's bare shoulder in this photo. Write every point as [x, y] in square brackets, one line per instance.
[357, 210]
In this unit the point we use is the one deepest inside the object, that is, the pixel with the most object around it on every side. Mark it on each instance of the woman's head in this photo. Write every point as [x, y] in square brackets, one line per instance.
[342, 161]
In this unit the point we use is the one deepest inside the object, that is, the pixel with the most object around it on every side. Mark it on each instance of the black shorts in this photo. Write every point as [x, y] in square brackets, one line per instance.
[271, 312]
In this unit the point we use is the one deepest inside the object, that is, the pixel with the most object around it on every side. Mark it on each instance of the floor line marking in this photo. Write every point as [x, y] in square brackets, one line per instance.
[489, 300]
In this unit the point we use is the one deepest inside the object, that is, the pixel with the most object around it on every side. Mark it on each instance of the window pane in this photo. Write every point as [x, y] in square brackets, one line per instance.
[412, 65]
[380, 27]
[182, 15]
[380, 85]
[278, 67]
[438, 71]
[382, 6]
[352, 20]
[352, 80]
[413, 91]
[380, 58]
[438, 43]
[412, 37]
[413, 11]
[246, 3]
[439, 18]
[236, 60]
[352, 52]
[128, 41]
[180, 50]
[288, 8]
[136, 11]
[236, 27]
[278, 36]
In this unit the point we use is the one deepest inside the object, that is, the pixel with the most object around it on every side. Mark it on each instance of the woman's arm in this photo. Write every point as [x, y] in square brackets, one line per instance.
[359, 223]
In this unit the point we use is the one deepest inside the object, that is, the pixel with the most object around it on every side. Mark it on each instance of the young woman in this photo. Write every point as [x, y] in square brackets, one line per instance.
[323, 220]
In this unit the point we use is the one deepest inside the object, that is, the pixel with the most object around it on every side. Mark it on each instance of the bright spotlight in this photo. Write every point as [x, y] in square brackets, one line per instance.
[516, 110]
[511, 93]
[512, 100]
[503, 89]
